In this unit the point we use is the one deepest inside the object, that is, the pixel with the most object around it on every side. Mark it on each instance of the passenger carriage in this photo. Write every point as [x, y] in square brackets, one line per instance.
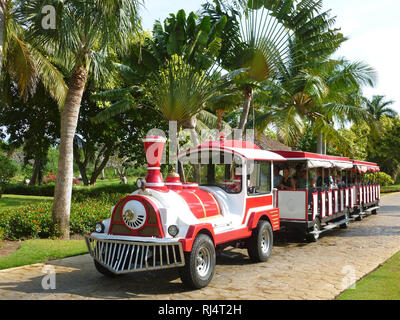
[366, 191]
[320, 203]
[175, 224]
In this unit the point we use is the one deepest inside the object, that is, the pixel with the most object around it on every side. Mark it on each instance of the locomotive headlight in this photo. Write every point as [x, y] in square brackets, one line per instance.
[99, 227]
[173, 230]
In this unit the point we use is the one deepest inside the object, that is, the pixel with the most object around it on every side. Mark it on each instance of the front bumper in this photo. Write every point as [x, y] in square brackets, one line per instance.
[120, 256]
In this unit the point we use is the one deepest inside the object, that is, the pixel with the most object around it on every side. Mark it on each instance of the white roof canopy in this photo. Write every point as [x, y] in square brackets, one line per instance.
[322, 163]
[249, 154]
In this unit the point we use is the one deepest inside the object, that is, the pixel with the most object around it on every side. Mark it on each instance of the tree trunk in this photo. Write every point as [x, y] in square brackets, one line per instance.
[191, 125]
[69, 120]
[248, 98]
[35, 174]
[100, 170]
[220, 113]
[320, 142]
[195, 138]
[82, 171]
[2, 20]
[81, 165]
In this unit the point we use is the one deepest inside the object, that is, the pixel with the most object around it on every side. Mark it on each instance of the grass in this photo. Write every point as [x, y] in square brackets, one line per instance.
[41, 250]
[390, 189]
[8, 201]
[382, 284]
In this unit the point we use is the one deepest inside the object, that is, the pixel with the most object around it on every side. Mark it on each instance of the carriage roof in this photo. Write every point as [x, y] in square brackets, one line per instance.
[315, 160]
[364, 166]
[246, 149]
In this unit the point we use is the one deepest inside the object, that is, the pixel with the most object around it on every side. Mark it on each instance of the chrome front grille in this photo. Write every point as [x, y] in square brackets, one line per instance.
[126, 256]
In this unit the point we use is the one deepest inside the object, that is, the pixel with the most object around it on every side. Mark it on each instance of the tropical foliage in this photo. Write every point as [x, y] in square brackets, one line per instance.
[95, 84]
[84, 34]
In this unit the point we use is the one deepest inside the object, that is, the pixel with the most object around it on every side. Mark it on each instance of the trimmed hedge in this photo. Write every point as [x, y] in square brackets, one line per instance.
[78, 193]
[35, 221]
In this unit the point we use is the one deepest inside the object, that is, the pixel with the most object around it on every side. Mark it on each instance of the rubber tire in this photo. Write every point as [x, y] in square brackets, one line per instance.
[374, 212]
[189, 273]
[345, 225]
[313, 237]
[360, 218]
[254, 249]
[104, 271]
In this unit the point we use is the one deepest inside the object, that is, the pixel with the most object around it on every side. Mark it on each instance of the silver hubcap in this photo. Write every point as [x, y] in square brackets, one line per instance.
[265, 241]
[203, 262]
[316, 230]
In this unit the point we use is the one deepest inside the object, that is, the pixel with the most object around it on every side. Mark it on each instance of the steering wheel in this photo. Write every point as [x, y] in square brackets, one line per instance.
[252, 189]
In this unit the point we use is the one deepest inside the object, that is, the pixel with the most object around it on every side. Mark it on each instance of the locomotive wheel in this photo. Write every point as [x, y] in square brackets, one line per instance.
[313, 237]
[199, 266]
[345, 225]
[261, 241]
[104, 271]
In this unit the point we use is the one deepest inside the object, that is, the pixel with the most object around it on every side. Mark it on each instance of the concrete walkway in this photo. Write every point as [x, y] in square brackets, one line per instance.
[295, 270]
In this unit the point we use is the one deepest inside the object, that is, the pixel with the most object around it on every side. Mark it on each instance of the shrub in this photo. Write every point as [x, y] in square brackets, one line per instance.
[79, 193]
[380, 177]
[8, 169]
[35, 221]
[21, 189]
[51, 177]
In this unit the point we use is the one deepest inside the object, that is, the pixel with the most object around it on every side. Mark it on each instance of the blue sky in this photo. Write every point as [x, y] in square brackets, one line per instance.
[373, 28]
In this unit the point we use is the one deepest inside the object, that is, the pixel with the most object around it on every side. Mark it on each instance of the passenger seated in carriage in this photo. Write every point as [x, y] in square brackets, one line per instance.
[287, 182]
[339, 183]
[301, 175]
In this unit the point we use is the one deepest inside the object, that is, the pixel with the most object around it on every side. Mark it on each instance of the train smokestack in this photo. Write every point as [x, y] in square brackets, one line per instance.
[154, 146]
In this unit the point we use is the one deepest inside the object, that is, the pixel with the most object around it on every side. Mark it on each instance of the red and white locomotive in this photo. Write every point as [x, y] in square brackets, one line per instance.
[170, 224]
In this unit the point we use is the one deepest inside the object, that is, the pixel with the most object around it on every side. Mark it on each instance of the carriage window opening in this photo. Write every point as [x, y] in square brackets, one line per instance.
[259, 177]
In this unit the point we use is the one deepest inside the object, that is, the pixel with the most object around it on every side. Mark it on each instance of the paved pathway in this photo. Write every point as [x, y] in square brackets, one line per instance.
[295, 270]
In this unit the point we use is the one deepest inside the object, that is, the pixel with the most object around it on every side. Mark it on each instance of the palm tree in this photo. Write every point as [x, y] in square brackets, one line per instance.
[324, 94]
[174, 72]
[255, 39]
[2, 18]
[263, 36]
[84, 34]
[23, 63]
[378, 107]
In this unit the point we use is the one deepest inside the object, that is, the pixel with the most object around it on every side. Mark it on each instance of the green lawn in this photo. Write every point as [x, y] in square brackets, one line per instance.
[41, 250]
[393, 188]
[8, 201]
[382, 284]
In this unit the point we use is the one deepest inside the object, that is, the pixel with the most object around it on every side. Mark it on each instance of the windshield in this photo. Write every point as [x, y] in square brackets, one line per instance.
[219, 169]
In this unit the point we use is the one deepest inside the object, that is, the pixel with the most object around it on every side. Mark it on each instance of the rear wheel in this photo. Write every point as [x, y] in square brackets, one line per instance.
[261, 241]
[346, 224]
[199, 266]
[313, 237]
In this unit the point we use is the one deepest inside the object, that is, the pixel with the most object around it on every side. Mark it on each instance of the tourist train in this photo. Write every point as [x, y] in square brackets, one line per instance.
[242, 196]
